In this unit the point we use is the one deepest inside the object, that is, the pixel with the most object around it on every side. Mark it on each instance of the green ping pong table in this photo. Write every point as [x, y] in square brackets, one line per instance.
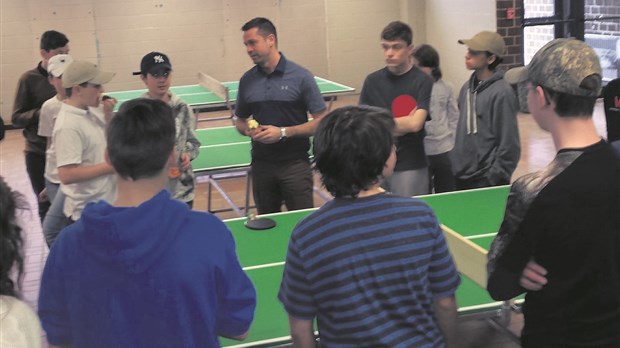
[475, 214]
[201, 99]
[224, 154]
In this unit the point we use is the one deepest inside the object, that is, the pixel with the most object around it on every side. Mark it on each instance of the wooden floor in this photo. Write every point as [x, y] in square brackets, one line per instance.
[536, 151]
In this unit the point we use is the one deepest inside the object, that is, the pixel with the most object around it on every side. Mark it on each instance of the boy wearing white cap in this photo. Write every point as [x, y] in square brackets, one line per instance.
[54, 219]
[47, 117]
[79, 138]
[560, 238]
[487, 147]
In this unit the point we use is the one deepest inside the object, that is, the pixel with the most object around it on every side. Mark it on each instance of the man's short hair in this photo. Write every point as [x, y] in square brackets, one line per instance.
[53, 39]
[397, 30]
[351, 146]
[141, 138]
[264, 25]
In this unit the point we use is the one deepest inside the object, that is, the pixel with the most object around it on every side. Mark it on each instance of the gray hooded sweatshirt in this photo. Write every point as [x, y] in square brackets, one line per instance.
[487, 136]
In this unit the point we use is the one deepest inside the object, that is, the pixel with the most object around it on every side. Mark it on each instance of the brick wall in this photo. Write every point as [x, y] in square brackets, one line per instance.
[511, 30]
[604, 35]
[603, 8]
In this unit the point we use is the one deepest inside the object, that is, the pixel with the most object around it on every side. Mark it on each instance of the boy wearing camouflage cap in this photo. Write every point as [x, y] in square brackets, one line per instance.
[487, 147]
[560, 238]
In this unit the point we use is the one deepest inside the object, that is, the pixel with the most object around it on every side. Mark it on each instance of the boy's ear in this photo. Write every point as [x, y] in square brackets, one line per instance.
[491, 59]
[44, 54]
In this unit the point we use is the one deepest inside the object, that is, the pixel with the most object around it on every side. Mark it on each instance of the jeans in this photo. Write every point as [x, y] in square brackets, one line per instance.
[52, 189]
[55, 220]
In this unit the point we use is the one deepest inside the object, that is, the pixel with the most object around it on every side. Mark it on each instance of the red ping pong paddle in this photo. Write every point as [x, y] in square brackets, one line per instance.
[403, 105]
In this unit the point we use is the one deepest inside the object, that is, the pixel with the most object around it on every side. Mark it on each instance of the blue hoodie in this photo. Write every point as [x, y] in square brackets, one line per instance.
[157, 275]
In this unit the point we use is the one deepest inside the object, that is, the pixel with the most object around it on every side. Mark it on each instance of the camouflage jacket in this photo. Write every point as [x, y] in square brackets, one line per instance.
[182, 187]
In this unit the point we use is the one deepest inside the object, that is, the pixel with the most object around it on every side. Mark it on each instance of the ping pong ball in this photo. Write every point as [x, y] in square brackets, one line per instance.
[252, 124]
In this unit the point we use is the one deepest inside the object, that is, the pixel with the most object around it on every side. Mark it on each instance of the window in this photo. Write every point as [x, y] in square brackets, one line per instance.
[597, 22]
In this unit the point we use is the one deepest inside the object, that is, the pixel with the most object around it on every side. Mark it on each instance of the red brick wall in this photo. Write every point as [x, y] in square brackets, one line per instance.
[511, 30]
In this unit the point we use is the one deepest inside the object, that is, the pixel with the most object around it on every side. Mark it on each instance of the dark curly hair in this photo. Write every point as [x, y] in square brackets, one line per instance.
[351, 146]
[11, 241]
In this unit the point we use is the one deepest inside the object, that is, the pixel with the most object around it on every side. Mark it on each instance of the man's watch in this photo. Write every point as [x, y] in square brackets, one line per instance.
[283, 136]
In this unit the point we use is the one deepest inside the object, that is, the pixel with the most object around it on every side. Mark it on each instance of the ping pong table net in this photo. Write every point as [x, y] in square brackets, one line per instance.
[215, 86]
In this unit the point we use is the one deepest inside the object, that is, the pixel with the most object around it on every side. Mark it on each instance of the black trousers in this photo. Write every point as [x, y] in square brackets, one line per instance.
[35, 166]
[440, 171]
[289, 182]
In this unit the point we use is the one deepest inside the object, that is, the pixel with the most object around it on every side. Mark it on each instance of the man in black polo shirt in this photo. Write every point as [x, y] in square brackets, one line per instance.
[278, 94]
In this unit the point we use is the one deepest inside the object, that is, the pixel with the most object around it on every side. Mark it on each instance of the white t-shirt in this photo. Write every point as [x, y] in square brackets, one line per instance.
[79, 138]
[19, 325]
[47, 119]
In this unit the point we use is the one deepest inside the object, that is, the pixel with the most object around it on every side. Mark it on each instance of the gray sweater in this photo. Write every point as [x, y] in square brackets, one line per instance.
[487, 136]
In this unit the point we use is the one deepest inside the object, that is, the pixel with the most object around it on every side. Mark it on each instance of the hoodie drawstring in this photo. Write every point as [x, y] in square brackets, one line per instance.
[472, 121]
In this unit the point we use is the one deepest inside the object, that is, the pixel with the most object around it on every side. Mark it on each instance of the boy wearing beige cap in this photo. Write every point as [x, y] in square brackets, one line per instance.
[560, 238]
[79, 138]
[487, 147]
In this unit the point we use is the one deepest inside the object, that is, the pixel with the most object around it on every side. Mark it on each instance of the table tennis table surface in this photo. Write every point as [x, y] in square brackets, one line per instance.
[475, 214]
[199, 97]
[221, 148]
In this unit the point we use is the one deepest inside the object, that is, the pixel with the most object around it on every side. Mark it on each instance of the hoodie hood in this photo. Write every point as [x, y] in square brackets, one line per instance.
[472, 96]
[133, 238]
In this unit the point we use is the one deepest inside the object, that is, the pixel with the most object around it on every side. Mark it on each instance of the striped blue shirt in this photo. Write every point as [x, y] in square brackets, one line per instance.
[368, 269]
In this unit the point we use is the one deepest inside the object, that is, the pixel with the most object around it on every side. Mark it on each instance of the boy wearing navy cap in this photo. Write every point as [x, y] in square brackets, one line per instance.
[156, 73]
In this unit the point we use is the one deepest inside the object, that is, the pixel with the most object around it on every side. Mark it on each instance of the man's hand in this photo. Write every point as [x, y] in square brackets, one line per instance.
[533, 277]
[266, 134]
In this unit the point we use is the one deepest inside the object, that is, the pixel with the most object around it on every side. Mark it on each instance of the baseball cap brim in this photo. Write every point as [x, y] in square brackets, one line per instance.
[473, 44]
[102, 78]
[156, 67]
[516, 75]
